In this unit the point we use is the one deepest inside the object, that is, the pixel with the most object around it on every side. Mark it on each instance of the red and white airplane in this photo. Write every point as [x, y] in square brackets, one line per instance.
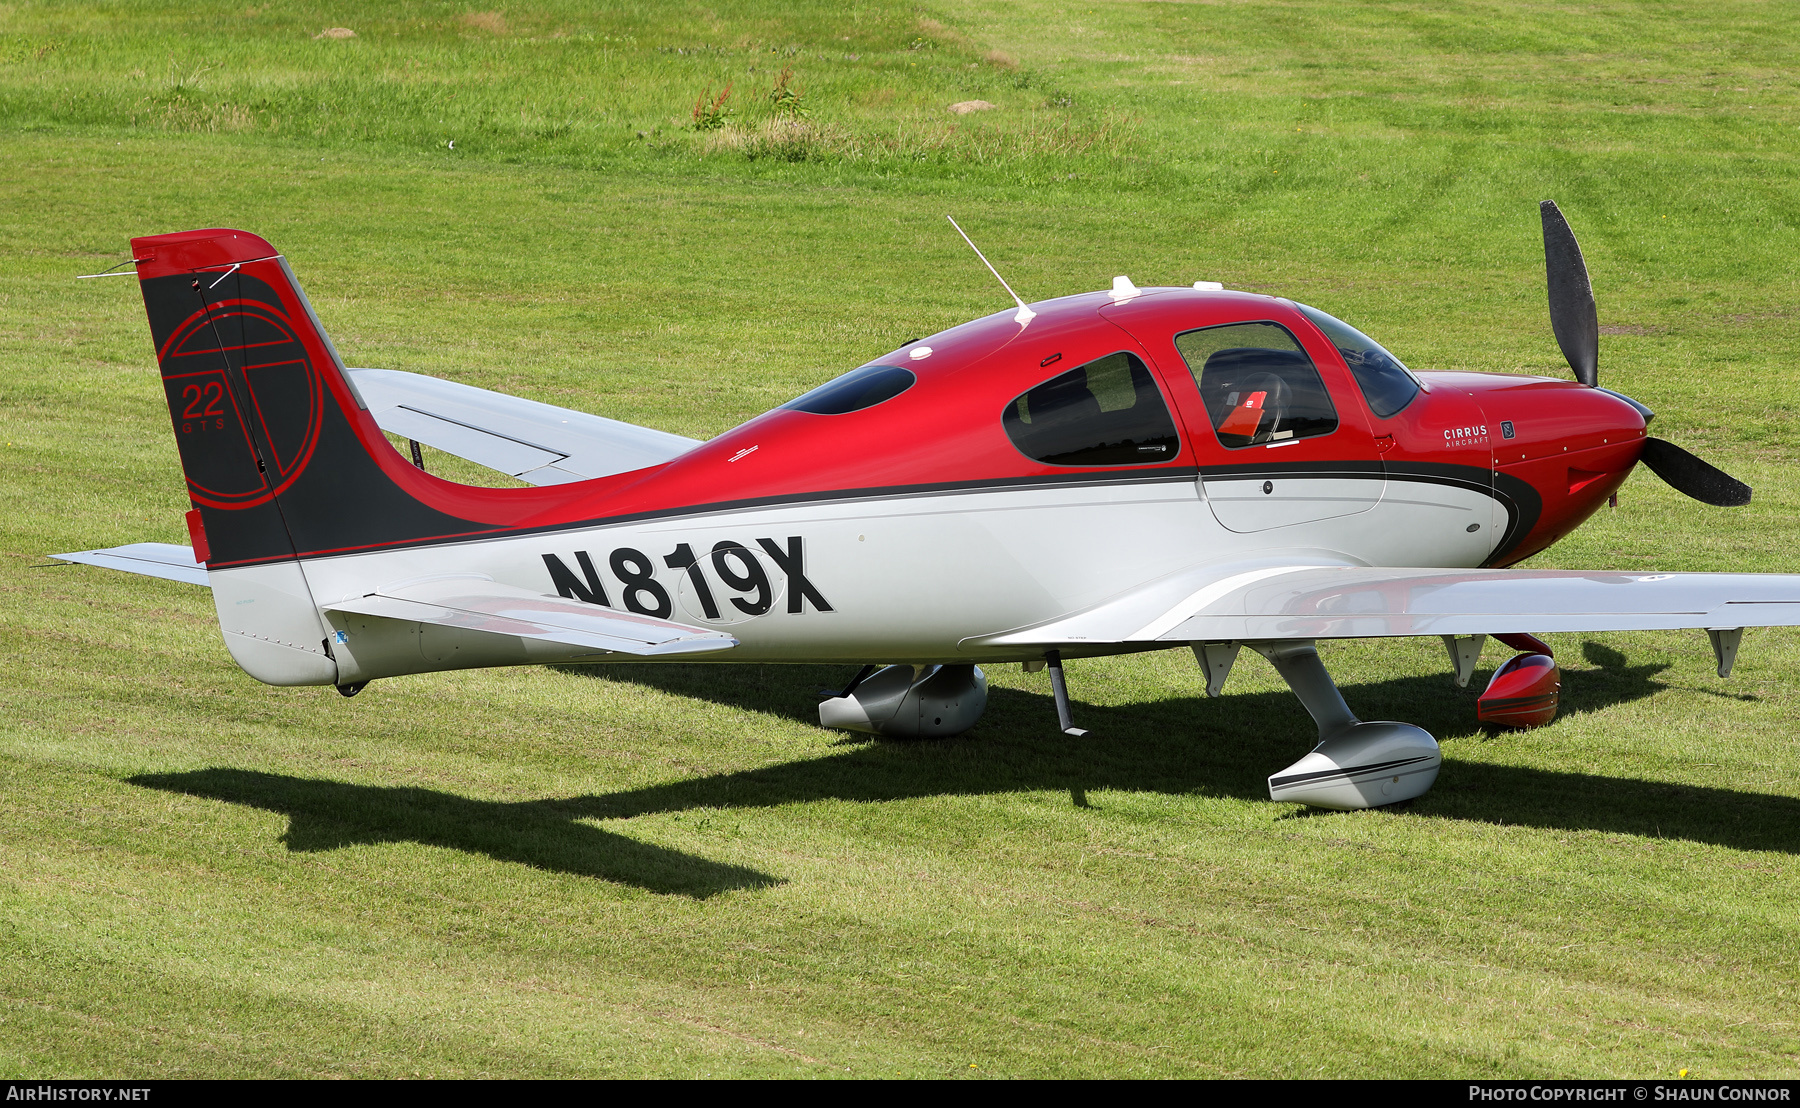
[1117, 471]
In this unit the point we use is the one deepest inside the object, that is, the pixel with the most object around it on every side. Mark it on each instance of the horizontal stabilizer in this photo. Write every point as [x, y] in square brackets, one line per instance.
[1237, 603]
[538, 443]
[478, 603]
[152, 559]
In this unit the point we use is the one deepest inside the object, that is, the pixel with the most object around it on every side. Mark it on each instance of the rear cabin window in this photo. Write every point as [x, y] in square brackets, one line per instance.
[1386, 384]
[1108, 412]
[854, 391]
[1258, 384]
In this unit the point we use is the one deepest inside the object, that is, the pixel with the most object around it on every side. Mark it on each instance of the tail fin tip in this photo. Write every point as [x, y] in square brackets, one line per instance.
[189, 251]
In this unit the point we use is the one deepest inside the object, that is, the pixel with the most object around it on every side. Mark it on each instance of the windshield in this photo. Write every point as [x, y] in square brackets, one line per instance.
[1386, 384]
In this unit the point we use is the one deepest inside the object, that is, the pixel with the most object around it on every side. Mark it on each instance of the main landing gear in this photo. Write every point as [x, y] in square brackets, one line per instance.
[1356, 764]
[928, 702]
[1365, 765]
[909, 702]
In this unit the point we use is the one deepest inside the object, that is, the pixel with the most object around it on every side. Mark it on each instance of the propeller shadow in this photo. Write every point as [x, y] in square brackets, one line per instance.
[1224, 747]
[326, 815]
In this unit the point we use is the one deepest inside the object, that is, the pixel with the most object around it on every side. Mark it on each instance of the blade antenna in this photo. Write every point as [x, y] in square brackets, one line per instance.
[1024, 315]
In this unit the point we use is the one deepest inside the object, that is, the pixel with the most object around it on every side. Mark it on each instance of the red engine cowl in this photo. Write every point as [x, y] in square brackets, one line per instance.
[1524, 693]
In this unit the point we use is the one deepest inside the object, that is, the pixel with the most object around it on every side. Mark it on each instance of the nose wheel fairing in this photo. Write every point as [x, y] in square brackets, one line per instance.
[1524, 693]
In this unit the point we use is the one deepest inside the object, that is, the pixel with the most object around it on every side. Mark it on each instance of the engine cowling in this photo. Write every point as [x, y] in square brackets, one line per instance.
[911, 702]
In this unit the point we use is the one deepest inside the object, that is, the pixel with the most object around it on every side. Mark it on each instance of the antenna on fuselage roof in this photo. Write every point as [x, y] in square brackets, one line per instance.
[1024, 315]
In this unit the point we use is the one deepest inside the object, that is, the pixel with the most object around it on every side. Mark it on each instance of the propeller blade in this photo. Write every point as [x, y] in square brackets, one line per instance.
[1689, 474]
[1572, 314]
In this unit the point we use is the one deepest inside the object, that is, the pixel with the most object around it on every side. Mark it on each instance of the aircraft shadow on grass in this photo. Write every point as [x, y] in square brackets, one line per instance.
[1188, 745]
[1224, 747]
[327, 815]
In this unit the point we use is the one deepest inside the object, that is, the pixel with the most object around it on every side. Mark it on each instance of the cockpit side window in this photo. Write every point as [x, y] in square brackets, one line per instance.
[1258, 384]
[1386, 384]
[1108, 412]
[854, 391]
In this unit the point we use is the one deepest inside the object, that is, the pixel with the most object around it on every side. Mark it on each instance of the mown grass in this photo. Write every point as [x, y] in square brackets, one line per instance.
[671, 870]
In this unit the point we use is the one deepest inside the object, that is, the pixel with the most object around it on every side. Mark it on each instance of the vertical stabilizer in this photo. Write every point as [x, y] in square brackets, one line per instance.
[282, 458]
[283, 461]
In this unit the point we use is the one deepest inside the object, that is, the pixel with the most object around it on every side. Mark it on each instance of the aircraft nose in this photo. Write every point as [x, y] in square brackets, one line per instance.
[1570, 445]
[1562, 419]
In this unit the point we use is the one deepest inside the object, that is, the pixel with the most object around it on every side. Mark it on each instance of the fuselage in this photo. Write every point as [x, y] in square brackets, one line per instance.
[912, 528]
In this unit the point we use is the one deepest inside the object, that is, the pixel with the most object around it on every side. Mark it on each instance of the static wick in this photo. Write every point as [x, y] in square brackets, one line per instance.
[110, 271]
[1024, 315]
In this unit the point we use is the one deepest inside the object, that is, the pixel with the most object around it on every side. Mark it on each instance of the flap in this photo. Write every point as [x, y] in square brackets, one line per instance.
[477, 603]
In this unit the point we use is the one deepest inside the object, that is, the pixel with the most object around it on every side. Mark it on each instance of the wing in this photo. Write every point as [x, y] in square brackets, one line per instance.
[475, 603]
[152, 559]
[1337, 602]
[537, 443]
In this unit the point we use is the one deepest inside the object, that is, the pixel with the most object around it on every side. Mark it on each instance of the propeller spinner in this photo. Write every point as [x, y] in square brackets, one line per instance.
[1576, 324]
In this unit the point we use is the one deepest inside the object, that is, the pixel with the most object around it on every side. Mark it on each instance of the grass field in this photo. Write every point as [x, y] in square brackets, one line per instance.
[653, 871]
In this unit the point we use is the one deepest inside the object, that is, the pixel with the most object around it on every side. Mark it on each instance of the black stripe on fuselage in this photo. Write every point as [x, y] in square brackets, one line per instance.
[1111, 479]
[1521, 512]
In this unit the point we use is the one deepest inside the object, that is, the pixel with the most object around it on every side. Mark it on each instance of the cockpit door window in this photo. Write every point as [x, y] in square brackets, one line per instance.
[1257, 383]
[1300, 453]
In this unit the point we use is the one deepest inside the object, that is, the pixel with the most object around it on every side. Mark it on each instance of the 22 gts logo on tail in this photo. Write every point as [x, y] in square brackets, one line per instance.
[743, 581]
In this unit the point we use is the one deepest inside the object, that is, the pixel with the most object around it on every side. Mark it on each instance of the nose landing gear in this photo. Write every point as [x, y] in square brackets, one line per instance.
[1524, 692]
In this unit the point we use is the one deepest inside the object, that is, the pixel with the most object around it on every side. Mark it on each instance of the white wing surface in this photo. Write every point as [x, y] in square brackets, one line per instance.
[152, 559]
[480, 604]
[1342, 602]
[538, 443]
